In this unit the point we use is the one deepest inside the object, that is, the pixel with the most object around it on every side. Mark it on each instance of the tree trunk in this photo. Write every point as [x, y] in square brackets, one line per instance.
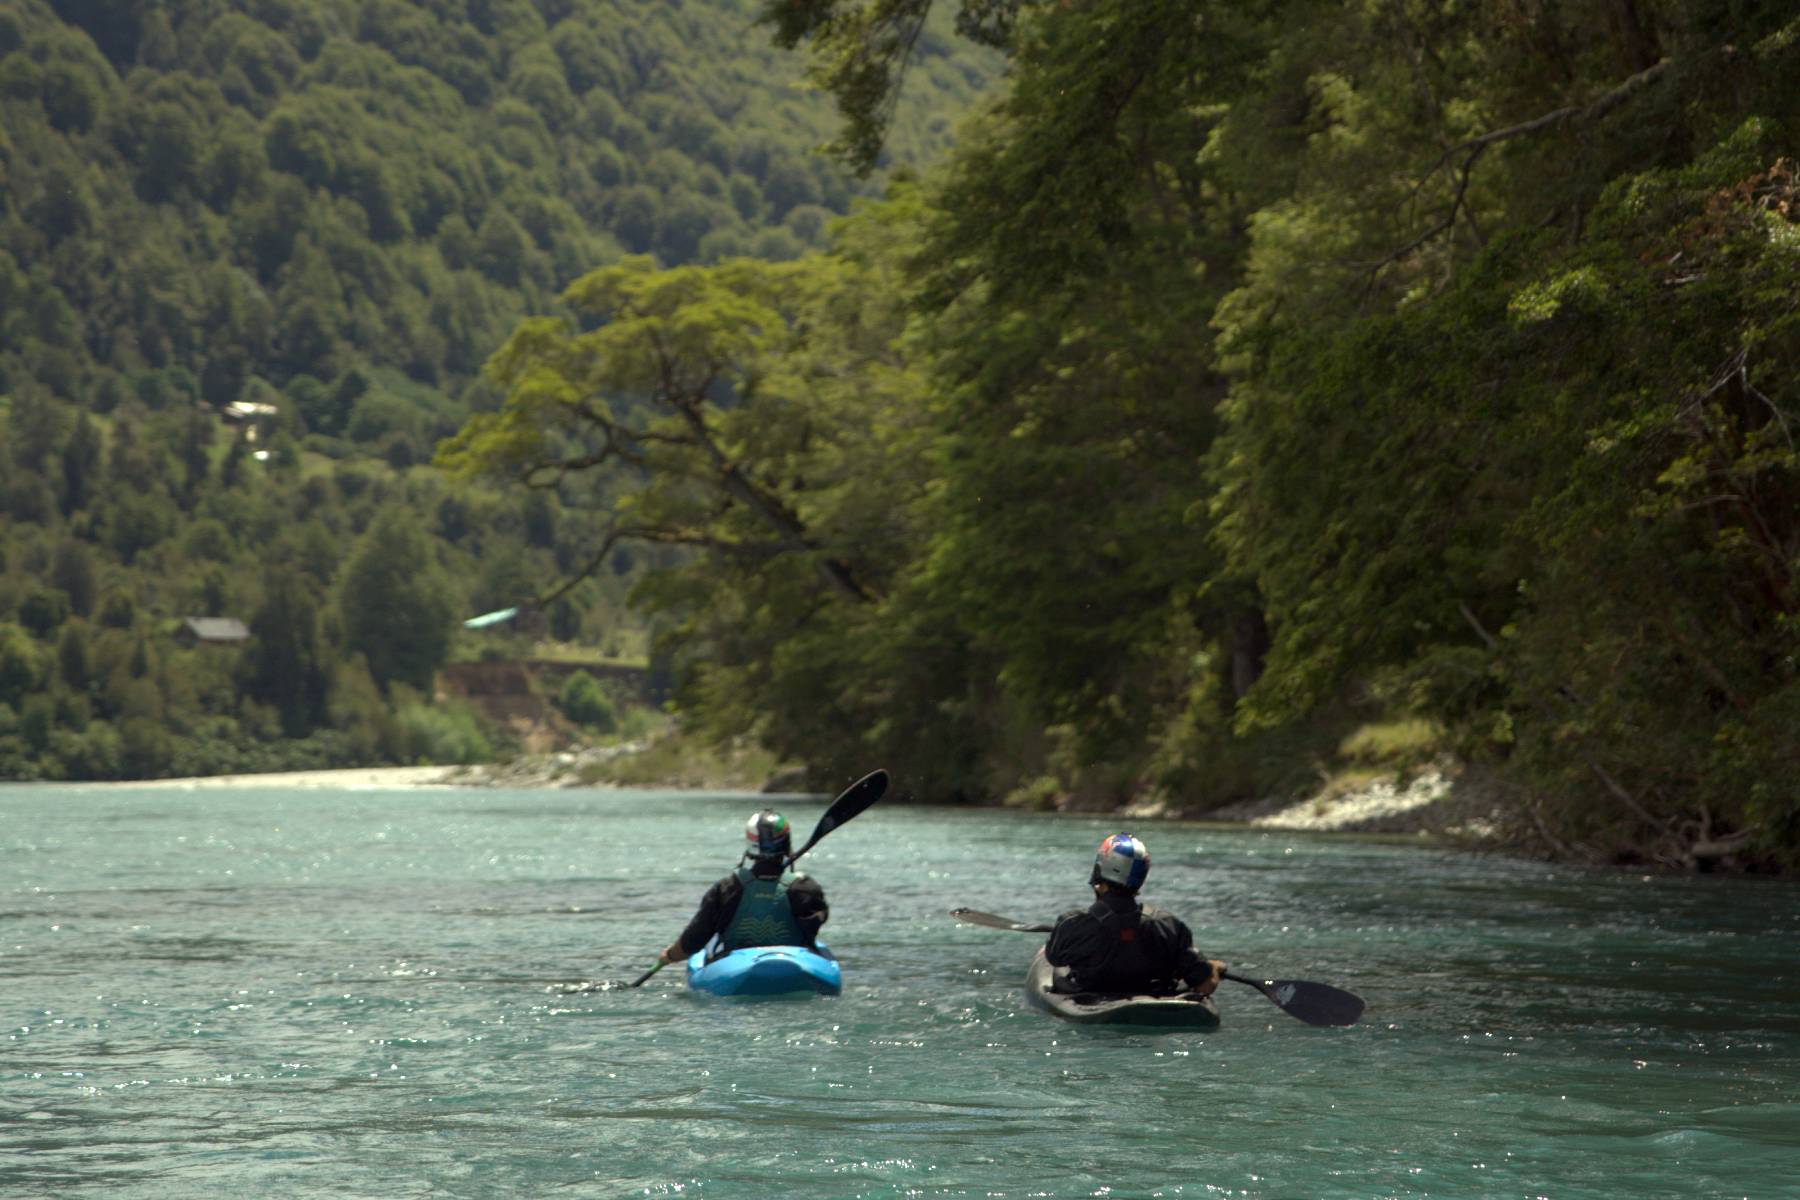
[1249, 646]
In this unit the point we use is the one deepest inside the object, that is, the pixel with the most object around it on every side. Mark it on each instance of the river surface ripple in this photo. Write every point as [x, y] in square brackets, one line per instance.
[345, 993]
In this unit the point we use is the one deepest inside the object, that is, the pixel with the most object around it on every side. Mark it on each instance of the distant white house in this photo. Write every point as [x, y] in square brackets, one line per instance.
[248, 414]
[211, 631]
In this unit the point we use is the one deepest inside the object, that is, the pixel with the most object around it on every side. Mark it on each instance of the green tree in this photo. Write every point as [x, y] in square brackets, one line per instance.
[500, 247]
[81, 456]
[74, 663]
[43, 610]
[72, 573]
[779, 430]
[285, 663]
[585, 702]
[21, 665]
[397, 605]
[860, 52]
[167, 152]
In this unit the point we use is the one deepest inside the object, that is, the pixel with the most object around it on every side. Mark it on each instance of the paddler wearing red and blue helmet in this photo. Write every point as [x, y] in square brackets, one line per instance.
[1120, 946]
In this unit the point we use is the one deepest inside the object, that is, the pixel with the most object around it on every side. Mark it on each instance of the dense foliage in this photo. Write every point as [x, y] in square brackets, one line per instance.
[1262, 368]
[252, 257]
[1249, 372]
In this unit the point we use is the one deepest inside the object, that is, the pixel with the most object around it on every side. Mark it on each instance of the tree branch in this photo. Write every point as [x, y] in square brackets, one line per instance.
[1471, 150]
[689, 406]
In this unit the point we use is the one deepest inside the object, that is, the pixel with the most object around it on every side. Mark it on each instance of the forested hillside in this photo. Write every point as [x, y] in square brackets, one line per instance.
[1253, 376]
[252, 258]
[1252, 393]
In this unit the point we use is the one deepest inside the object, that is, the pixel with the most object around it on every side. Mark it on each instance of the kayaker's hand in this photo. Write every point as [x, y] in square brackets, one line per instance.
[1218, 973]
[670, 953]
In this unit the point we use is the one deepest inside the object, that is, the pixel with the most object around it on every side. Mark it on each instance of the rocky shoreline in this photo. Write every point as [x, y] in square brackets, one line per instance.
[1438, 801]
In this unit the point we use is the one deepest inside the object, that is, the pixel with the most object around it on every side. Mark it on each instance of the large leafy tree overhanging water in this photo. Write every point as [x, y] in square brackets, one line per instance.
[1479, 501]
[1442, 351]
[1580, 461]
[766, 416]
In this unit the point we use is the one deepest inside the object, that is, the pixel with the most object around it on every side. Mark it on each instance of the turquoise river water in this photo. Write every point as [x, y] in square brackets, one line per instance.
[349, 993]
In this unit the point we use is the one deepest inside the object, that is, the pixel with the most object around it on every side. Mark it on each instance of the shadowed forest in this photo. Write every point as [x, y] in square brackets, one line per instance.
[1138, 402]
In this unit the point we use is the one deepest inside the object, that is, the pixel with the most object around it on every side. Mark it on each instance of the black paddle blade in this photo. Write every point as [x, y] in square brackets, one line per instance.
[851, 801]
[974, 917]
[1314, 1003]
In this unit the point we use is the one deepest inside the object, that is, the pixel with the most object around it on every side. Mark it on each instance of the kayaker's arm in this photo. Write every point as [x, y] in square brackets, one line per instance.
[1075, 938]
[1201, 975]
[1206, 986]
[715, 912]
[806, 900]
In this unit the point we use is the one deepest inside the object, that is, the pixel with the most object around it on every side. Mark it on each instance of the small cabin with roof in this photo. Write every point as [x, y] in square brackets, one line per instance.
[211, 631]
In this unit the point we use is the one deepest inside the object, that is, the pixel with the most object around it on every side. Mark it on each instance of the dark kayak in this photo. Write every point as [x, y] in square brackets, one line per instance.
[1105, 1008]
[767, 971]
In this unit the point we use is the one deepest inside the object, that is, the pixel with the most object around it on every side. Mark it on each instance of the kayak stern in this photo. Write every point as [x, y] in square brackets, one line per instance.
[767, 971]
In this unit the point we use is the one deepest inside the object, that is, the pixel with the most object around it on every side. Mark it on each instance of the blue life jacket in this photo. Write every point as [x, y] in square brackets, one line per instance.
[763, 916]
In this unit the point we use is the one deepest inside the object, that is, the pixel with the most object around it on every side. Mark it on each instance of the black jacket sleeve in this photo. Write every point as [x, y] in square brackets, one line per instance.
[1185, 963]
[716, 910]
[806, 900]
[1075, 938]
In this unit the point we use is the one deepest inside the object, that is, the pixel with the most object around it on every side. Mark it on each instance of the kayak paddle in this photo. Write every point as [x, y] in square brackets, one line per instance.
[639, 981]
[1314, 1003]
[604, 985]
[994, 922]
[850, 802]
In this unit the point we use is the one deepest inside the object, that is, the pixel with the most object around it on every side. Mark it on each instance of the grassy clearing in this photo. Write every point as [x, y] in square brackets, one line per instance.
[631, 649]
[676, 759]
[1385, 750]
[1394, 745]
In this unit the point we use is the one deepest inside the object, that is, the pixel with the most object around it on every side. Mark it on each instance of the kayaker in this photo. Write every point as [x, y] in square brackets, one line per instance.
[1120, 946]
[761, 903]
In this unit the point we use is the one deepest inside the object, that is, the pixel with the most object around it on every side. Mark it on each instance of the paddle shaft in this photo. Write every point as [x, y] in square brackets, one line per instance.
[639, 981]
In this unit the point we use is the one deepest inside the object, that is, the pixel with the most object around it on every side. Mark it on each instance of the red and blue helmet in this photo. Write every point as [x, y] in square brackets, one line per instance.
[1122, 861]
[767, 833]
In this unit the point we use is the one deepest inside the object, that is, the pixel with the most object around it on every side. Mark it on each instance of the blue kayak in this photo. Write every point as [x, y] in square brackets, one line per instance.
[767, 971]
